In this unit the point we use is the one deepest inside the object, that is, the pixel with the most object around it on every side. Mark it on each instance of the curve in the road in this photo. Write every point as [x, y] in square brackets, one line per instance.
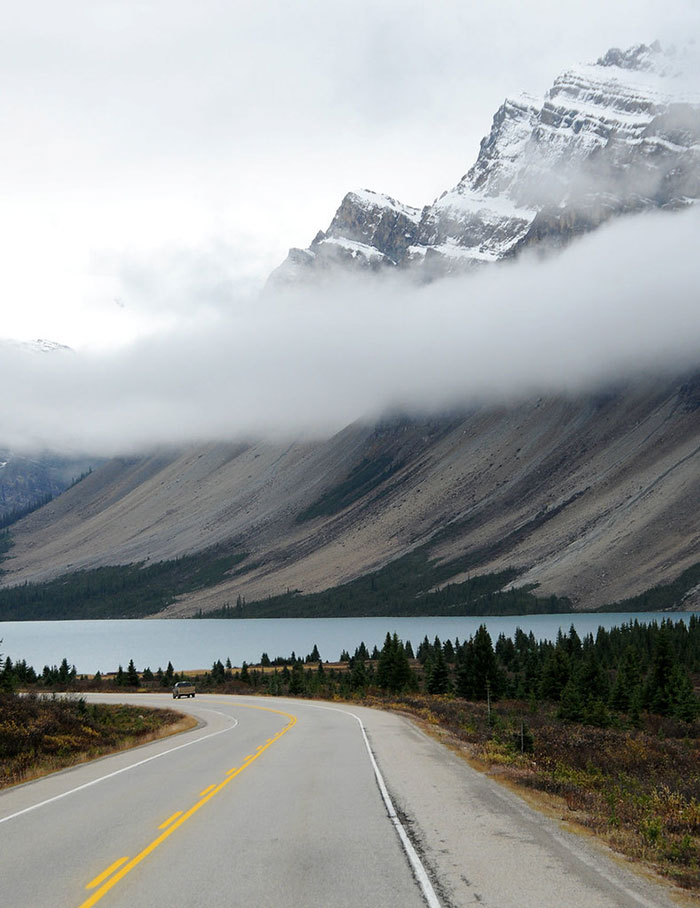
[120, 868]
[419, 870]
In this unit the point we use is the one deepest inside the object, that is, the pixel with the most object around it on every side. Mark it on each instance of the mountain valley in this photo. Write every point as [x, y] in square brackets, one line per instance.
[589, 497]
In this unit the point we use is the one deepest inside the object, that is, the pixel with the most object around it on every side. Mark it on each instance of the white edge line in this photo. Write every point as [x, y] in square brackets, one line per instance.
[118, 772]
[417, 866]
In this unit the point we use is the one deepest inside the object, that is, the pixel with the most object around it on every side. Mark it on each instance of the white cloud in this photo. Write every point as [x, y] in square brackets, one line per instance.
[619, 302]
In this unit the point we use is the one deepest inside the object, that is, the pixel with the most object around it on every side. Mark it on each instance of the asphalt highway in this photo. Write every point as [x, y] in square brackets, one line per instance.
[282, 802]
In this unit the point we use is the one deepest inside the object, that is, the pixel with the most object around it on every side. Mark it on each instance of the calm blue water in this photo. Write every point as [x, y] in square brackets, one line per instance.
[196, 644]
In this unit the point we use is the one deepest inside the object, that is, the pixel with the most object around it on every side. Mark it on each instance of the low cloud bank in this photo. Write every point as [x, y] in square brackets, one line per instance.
[618, 303]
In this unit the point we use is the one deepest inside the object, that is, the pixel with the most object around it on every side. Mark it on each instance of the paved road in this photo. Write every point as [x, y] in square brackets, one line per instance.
[277, 802]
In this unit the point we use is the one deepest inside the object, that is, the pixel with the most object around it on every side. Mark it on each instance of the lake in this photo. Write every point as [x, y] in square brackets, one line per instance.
[196, 644]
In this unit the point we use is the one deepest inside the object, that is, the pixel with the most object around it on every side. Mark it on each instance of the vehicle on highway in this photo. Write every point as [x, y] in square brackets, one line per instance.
[183, 689]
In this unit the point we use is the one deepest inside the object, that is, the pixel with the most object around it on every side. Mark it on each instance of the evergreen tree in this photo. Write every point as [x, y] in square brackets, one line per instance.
[132, 676]
[274, 686]
[573, 644]
[571, 704]
[358, 675]
[393, 670]
[658, 695]
[64, 673]
[591, 679]
[465, 680]
[685, 703]
[424, 650]
[487, 675]
[437, 674]
[506, 651]
[362, 652]
[314, 655]
[627, 681]
[596, 713]
[7, 677]
[296, 681]
[556, 671]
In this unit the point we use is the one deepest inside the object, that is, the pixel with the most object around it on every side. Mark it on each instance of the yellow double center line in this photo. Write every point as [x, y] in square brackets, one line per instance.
[177, 820]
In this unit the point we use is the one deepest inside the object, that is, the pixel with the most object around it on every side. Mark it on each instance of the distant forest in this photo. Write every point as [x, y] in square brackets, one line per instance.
[414, 584]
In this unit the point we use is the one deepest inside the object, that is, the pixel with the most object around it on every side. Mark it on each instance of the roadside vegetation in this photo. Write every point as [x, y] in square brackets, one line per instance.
[606, 728]
[41, 734]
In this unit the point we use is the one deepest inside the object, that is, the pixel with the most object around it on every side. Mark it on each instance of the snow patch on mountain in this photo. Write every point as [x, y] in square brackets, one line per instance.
[40, 345]
[616, 136]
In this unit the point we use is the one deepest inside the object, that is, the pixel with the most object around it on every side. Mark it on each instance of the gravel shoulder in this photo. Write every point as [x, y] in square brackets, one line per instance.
[483, 844]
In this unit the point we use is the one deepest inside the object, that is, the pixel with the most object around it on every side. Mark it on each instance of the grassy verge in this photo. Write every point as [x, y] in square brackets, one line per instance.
[39, 735]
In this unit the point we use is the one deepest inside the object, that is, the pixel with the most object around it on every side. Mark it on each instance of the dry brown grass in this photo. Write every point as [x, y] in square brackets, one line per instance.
[39, 735]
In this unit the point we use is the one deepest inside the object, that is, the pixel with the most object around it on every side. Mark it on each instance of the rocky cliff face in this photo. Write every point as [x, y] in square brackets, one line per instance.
[609, 138]
[369, 230]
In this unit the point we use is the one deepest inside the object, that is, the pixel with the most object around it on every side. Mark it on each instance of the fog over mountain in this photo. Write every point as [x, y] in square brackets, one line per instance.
[619, 302]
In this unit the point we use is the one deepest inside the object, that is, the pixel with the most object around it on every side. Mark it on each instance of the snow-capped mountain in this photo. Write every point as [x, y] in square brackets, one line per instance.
[40, 345]
[616, 136]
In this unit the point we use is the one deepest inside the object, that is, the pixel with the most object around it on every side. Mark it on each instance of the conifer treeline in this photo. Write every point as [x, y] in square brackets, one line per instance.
[628, 669]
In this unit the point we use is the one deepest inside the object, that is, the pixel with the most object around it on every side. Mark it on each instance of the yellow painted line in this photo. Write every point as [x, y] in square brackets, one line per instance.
[235, 769]
[170, 820]
[206, 791]
[134, 862]
[105, 873]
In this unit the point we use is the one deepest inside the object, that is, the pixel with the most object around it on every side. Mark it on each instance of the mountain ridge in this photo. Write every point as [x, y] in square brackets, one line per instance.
[618, 136]
[590, 497]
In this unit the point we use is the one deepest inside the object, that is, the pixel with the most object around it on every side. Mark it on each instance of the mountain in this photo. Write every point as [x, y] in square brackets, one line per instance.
[593, 498]
[618, 136]
[589, 498]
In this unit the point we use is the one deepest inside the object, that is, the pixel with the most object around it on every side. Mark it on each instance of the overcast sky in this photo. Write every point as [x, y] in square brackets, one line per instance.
[158, 157]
